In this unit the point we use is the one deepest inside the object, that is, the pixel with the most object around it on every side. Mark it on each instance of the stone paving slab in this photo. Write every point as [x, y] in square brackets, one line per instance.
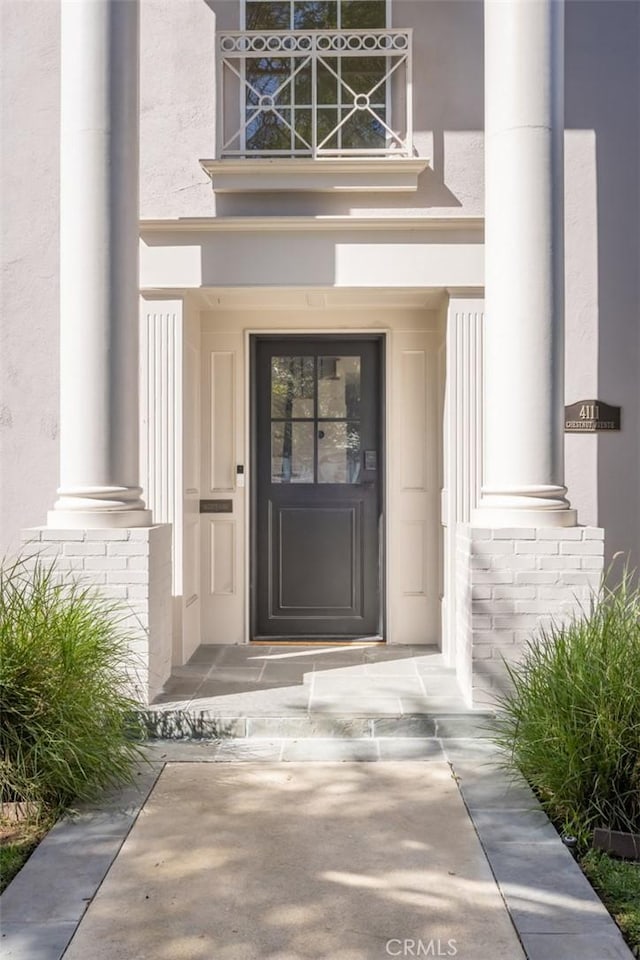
[463, 726]
[278, 702]
[254, 749]
[535, 876]
[41, 907]
[367, 686]
[41, 896]
[430, 704]
[607, 945]
[193, 725]
[279, 680]
[408, 748]
[332, 749]
[298, 861]
[359, 706]
[514, 826]
[488, 786]
[199, 751]
[409, 726]
[35, 941]
[67, 869]
[554, 908]
[466, 748]
[297, 727]
[309, 749]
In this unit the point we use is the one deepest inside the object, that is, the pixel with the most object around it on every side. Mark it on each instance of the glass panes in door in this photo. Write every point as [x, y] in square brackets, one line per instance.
[338, 452]
[315, 419]
[291, 452]
[292, 387]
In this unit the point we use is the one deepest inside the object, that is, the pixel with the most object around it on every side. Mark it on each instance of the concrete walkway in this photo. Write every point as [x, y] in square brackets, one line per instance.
[282, 862]
[225, 851]
[311, 804]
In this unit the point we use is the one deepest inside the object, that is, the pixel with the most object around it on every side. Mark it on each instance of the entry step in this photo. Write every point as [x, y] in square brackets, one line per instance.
[191, 725]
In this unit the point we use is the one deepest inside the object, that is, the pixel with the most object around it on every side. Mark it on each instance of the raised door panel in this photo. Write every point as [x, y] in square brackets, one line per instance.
[414, 489]
[191, 420]
[222, 534]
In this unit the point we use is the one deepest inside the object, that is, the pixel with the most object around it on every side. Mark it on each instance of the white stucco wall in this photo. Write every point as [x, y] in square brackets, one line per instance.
[178, 107]
[29, 138]
[603, 260]
[178, 128]
[177, 101]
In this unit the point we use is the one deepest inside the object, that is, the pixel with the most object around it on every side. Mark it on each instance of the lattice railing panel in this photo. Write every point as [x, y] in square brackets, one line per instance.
[317, 93]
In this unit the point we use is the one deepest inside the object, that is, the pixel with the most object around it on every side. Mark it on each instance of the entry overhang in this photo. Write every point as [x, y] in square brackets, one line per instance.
[319, 252]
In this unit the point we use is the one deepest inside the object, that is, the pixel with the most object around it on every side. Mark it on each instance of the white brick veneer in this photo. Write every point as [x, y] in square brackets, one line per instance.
[509, 584]
[131, 566]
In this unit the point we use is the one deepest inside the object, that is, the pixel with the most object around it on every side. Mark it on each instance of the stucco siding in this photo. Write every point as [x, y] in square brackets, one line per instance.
[30, 140]
[177, 107]
[603, 260]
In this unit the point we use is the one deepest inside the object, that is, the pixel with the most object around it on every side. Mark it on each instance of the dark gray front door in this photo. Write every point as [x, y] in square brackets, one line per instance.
[316, 568]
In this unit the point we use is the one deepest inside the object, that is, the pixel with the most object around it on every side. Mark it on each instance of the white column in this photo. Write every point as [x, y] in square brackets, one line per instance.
[99, 485]
[524, 336]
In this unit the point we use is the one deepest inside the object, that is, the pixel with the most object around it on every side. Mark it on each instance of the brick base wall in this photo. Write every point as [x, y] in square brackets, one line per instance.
[131, 566]
[510, 583]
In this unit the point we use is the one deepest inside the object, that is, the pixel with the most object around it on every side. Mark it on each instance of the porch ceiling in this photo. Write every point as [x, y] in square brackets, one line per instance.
[243, 298]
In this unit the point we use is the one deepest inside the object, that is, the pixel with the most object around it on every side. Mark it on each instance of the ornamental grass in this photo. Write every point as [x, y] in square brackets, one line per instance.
[571, 723]
[68, 711]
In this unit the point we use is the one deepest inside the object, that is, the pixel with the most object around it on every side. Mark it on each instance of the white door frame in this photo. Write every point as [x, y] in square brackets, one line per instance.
[319, 332]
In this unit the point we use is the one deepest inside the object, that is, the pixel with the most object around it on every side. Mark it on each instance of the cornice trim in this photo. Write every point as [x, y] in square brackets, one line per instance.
[309, 224]
[324, 175]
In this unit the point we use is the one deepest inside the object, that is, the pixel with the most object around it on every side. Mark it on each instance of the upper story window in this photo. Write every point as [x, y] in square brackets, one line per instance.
[315, 14]
[315, 78]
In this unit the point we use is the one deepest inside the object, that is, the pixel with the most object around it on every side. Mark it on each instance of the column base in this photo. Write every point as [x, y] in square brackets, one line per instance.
[98, 519]
[533, 505]
[510, 584]
[489, 516]
[130, 566]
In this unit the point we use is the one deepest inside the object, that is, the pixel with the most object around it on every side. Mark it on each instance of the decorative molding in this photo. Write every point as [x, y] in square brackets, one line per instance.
[161, 419]
[322, 175]
[222, 407]
[414, 436]
[293, 224]
[463, 443]
[273, 43]
[222, 557]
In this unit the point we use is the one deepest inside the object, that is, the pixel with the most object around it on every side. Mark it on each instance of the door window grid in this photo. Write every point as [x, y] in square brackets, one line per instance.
[266, 130]
[314, 448]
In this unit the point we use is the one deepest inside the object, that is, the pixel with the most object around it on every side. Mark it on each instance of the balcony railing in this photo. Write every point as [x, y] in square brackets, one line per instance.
[315, 93]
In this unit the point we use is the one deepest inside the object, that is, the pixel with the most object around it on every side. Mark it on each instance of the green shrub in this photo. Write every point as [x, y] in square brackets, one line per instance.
[66, 702]
[618, 883]
[572, 721]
